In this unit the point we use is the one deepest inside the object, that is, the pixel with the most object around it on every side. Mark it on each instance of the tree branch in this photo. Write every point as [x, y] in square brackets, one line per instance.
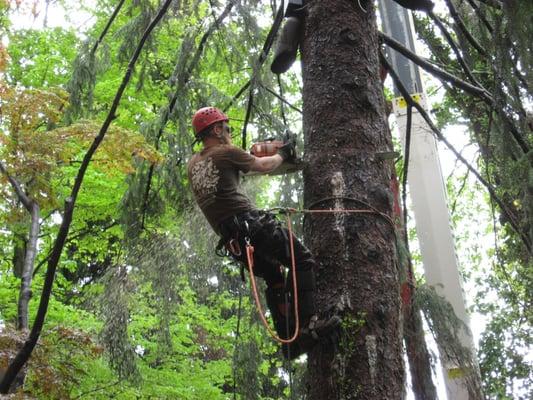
[27, 270]
[481, 16]
[263, 56]
[467, 87]
[282, 99]
[406, 167]
[247, 117]
[439, 73]
[25, 352]
[96, 389]
[24, 199]
[106, 28]
[76, 235]
[462, 27]
[492, 191]
[463, 186]
[492, 3]
[455, 49]
[182, 80]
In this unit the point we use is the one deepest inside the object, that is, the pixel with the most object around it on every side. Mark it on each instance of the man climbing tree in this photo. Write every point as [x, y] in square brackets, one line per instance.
[214, 178]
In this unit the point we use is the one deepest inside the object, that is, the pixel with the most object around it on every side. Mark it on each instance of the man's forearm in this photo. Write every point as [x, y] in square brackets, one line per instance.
[266, 164]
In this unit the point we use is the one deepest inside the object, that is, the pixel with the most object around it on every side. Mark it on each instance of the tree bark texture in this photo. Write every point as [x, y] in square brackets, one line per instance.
[357, 274]
[27, 271]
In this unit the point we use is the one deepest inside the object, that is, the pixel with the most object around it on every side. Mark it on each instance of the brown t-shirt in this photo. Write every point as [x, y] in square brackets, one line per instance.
[214, 179]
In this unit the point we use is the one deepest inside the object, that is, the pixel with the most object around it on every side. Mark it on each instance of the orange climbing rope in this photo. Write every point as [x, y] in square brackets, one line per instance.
[250, 251]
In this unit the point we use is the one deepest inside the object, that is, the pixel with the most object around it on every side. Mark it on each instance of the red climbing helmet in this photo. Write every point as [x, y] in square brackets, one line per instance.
[206, 117]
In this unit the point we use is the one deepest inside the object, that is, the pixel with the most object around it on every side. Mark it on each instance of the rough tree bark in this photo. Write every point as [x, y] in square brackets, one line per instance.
[27, 270]
[27, 257]
[345, 132]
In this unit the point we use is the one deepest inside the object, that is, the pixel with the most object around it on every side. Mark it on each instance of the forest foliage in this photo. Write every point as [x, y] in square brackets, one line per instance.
[141, 306]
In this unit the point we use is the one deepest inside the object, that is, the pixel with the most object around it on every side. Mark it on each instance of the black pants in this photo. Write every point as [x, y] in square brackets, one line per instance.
[271, 253]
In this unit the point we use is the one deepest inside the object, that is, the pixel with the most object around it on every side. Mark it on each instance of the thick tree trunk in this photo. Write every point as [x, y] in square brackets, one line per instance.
[345, 132]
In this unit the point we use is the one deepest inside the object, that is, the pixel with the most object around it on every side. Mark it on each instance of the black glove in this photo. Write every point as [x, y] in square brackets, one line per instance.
[288, 150]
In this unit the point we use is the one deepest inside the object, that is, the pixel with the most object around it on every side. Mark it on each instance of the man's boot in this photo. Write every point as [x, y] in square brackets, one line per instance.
[287, 45]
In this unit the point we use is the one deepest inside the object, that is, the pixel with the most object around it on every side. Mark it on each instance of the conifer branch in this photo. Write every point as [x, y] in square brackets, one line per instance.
[457, 82]
[106, 28]
[282, 99]
[406, 167]
[481, 16]
[247, 117]
[492, 191]
[492, 3]
[97, 389]
[269, 41]
[436, 71]
[182, 80]
[455, 49]
[25, 352]
[462, 27]
[262, 57]
[238, 94]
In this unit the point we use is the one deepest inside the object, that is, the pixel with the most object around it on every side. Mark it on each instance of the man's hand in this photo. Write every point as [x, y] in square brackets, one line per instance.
[288, 150]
